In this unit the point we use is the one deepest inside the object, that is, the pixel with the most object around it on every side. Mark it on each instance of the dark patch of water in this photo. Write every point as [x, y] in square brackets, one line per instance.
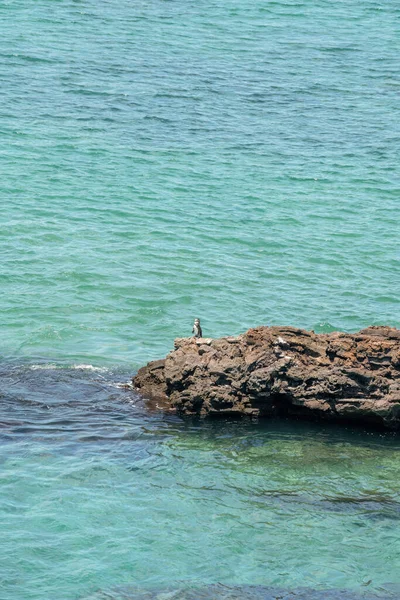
[42, 398]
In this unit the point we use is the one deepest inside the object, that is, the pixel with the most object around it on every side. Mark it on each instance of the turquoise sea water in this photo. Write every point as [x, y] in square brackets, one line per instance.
[163, 160]
[99, 495]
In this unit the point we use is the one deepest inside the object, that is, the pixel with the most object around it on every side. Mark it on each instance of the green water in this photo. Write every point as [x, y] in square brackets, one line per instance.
[98, 493]
[165, 160]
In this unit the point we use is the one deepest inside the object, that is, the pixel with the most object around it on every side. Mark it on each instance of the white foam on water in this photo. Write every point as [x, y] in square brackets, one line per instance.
[90, 368]
[128, 385]
[43, 367]
[83, 367]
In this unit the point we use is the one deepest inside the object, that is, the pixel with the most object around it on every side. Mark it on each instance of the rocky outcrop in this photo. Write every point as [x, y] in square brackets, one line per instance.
[271, 371]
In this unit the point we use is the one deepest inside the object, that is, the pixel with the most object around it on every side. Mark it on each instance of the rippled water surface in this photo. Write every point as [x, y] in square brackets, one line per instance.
[165, 160]
[103, 496]
[169, 159]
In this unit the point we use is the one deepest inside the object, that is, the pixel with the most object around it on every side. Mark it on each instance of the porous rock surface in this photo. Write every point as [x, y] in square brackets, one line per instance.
[270, 371]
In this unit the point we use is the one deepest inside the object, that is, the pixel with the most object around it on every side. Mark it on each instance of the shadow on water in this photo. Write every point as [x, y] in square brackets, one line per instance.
[50, 397]
[70, 405]
[52, 393]
[78, 431]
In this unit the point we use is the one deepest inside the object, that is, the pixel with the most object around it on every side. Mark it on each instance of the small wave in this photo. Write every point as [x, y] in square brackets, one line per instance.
[127, 385]
[43, 367]
[82, 367]
[90, 368]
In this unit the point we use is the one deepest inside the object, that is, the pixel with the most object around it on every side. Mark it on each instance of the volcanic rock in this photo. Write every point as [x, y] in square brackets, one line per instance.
[271, 371]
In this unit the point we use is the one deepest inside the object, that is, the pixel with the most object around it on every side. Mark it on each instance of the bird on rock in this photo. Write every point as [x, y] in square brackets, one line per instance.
[197, 329]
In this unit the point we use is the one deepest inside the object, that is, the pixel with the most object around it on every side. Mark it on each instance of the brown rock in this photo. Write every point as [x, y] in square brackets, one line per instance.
[282, 371]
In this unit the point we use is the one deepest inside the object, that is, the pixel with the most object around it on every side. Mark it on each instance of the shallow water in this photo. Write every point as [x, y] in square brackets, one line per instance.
[101, 494]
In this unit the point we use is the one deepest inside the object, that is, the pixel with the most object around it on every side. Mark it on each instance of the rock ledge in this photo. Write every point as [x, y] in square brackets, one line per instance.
[271, 371]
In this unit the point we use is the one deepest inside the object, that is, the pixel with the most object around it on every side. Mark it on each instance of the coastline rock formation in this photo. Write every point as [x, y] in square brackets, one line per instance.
[273, 371]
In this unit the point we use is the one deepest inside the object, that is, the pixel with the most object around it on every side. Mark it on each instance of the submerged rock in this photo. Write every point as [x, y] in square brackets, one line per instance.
[271, 371]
